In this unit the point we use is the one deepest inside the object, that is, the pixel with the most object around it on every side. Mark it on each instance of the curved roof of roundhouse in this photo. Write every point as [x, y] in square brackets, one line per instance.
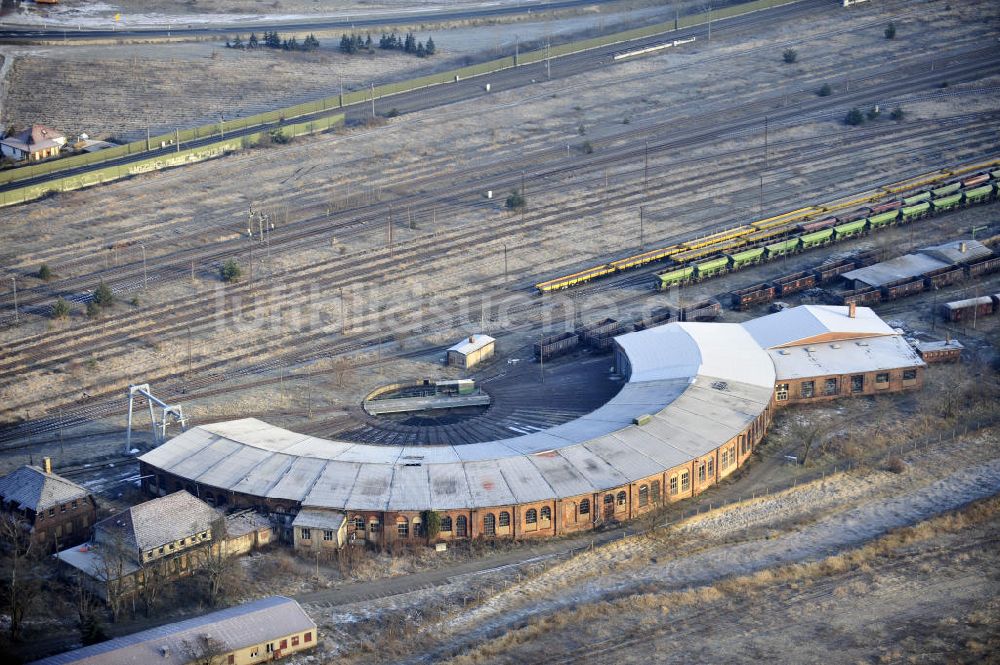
[701, 383]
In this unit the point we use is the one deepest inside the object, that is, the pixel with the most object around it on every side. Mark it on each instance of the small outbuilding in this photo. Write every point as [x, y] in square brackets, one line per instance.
[472, 351]
[319, 530]
[949, 351]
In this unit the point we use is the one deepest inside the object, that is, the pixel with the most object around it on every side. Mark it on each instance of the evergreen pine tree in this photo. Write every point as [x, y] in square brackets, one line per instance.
[237, 42]
[345, 43]
[253, 40]
[421, 51]
[431, 48]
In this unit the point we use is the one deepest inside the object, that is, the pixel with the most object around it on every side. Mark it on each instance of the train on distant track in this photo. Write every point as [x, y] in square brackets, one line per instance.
[749, 244]
[971, 308]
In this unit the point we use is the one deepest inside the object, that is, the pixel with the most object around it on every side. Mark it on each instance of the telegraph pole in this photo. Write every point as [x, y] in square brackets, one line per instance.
[645, 169]
[548, 61]
[642, 241]
[505, 263]
[765, 141]
[517, 48]
[145, 279]
[373, 100]
[13, 280]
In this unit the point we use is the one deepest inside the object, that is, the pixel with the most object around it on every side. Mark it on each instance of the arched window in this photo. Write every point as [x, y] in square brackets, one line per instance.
[585, 507]
[462, 526]
[546, 514]
[418, 527]
[655, 487]
[446, 524]
[374, 526]
[402, 527]
[643, 495]
[505, 518]
[490, 524]
[685, 481]
[622, 498]
[359, 523]
[531, 517]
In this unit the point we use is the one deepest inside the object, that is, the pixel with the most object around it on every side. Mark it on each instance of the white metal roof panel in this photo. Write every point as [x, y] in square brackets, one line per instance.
[564, 478]
[449, 487]
[372, 488]
[179, 448]
[598, 472]
[472, 343]
[333, 486]
[197, 464]
[410, 488]
[901, 267]
[848, 357]
[311, 446]
[258, 433]
[659, 450]
[800, 324]
[535, 442]
[234, 467]
[259, 480]
[298, 479]
[428, 455]
[487, 484]
[524, 480]
[360, 452]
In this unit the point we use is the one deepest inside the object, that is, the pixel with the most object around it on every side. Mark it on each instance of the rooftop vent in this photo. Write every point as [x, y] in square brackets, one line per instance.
[642, 420]
[720, 385]
[835, 346]
[862, 343]
[784, 352]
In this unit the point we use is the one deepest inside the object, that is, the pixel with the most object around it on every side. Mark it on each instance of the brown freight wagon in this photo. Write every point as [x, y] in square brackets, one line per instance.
[886, 207]
[867, 258]
[752, 295]
[799, 281]
[864, 297]
[593, 334]
[970, 308]
[709, 310]
[984, 267]
[656, 318]
[556, 345]
[943, 277]
[829, 271]
[902, 288]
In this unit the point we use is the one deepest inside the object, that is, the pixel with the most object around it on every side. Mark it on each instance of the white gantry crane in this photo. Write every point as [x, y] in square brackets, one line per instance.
[168, 412]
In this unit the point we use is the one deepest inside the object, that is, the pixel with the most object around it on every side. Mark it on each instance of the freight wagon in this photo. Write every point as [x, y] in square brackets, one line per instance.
[786, 234]
[799, 281]
[752, 295]
[902, 288]
[599, 335]
[556, 345]
[656, 318]
[708, 310]
[943, 277]
[971, 308]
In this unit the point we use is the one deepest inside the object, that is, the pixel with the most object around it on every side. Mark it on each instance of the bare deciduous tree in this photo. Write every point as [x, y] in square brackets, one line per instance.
[19, 583]
[205, 650]
[113, 559]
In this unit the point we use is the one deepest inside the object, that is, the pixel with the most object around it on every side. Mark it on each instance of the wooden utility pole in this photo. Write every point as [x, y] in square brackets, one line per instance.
[645, 168]
[505, 263]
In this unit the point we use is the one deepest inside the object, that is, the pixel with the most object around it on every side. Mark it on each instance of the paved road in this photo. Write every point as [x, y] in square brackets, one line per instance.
[317, 24]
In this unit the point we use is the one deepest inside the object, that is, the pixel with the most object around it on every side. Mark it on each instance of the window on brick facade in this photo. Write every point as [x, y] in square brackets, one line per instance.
[374, 526]
[446, 524]
[655, 489]
[327, 535]
[909, 374]
[74, 505]
[546, 513]
[857, 383]
[359, 523]
[622, 498]
[830, 387]
[882, 377]
[490, 524]
[685, 481]
[531, 517]
[461, 526]
[781, 392]
[724, 459]
[62, 508]
[673, 484]
[504, 518]
[643, 496]
[807, 388]
[585, 507]
[701, 472]
[711, 467]
[52, 512]
[305, 533]
[402, 527]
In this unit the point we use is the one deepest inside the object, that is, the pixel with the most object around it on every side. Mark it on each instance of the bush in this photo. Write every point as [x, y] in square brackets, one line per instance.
[393, 113]
[103, 296]
[515, 200]
[898, 114]
[44, 272]
[432, 522]
[93, 310]
[230, 271]
[825, 91]
[854, 117]
[587, 148]
[278, 136]
[790, 55]
[890, 30]
[896, 465]
[874, 113]
[60, 310]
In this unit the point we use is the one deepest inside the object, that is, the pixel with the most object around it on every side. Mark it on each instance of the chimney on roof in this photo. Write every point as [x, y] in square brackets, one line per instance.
[961, 247]
[472, 339]
[852, 310]
[47, 461]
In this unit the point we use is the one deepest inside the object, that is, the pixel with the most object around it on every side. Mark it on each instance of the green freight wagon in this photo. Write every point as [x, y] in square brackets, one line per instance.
[995, 175]
[712, 267]
[816, 238]
[665, 280]
[912, 212]
[946, 190]
[783, 247]
[883, 219]
[947, 202]
[850, 229]
[916, 198]
[747, 257]
[978, 194]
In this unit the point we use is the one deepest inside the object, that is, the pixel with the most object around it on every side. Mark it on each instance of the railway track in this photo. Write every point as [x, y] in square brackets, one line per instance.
[91, 411]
